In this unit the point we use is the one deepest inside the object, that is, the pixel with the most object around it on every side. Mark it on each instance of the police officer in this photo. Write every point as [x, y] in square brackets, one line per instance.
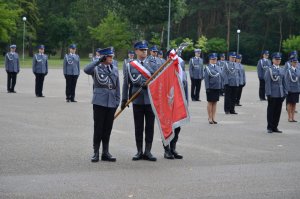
[213, 85]
[292, 79]
[136, 74]
[97, 55]
[196, 74]
[263, 64]
[242, 79]
[288, 64]
[170, 150]
[105, 101]
[275, 91]
[222, 63]
[12, 67]
[231, 83]
[40, 70]
[153, 58]
[161, 56]
[127, 60]
[71, 71]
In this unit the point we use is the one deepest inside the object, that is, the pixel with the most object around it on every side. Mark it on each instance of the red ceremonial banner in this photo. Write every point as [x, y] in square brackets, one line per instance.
[168, 101]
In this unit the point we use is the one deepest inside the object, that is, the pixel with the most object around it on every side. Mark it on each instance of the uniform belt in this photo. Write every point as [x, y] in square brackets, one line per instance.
[109, 86]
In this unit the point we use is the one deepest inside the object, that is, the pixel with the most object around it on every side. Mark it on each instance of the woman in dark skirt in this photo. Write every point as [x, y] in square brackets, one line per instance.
[292, 80]
[213, 85]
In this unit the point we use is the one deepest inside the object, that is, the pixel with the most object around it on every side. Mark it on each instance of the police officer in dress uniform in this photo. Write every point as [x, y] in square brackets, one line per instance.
[222, 63]
[12, 67]
[288, 64]
[106, 99]
[127, 60]
[213, 85]
[262, 66]
[153, 58]
[97, 55]
[142, 110]
[292, 79]
[231, 83]
[196, 74]
[40, 70]
[170, 150]
[161, 56]
[71, 71]
[242, 79]
[275, 91]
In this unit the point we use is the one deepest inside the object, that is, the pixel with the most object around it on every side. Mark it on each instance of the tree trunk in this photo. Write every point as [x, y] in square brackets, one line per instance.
[265, 36]
[30, 49]
[228, 9]
[200, 25]
[162, 36]
[62, 53]
[280, 32]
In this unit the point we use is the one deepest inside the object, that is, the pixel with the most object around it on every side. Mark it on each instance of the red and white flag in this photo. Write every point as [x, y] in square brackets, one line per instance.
[168, 100]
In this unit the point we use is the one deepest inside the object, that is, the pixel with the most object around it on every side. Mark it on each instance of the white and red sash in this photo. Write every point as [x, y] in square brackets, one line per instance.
[144, 71]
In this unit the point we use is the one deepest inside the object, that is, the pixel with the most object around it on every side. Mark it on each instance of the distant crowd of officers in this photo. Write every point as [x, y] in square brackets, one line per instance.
[222, 78]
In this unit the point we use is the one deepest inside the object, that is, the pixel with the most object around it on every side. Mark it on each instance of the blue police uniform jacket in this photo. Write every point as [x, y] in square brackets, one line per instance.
[292, 80]
[40, 64]
[242, 74]
[106, 91]
[231, 74]
[262, 66]
[275, 83]
[213, 77]
[71, 64]
[136, 80]
[184, 78]
[12, 63]
[154, 62]
[222, 65]
[196, 68]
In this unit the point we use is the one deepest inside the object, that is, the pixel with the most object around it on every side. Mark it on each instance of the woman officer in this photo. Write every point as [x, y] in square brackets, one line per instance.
[213, 85]
[105, 101]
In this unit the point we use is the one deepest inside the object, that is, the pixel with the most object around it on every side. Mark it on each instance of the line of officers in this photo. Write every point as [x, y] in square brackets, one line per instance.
[279, 83]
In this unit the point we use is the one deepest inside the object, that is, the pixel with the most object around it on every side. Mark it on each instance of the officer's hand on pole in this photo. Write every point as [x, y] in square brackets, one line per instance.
[144, 86]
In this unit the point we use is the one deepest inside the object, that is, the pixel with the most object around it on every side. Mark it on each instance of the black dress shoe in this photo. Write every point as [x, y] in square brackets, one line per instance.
[263, 99]
[95, 157]
[13, 91]
[227, 112]
[149, 156]
[277, 131]
[73, 100]
[215, 122]
[168, 155]
[269, 131]
[233, 112]
[138, 156]
[198, 100]
[68, 100]
[108, 157]
[238, 105]
[176, 155]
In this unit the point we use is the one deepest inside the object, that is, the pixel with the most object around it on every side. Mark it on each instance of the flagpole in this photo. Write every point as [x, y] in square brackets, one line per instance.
[136, 94]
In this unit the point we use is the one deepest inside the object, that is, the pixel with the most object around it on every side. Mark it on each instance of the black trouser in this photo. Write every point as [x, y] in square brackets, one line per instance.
[195, 88]
[262, 92]
[141, 113]
[11, 81]
[71, 81]
[239, 91]
[175, 139]
[39, 83]
[274, 112]
[103, 123]
[230, 98]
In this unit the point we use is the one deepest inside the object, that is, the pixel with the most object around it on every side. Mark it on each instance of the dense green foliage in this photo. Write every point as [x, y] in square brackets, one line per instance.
[208, 24]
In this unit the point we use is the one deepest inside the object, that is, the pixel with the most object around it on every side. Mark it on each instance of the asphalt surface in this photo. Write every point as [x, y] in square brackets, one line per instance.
[46, 145]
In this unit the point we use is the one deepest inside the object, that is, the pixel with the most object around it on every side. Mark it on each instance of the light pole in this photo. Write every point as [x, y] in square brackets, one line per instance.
[238, 40]
[169, 24]
[24, 20]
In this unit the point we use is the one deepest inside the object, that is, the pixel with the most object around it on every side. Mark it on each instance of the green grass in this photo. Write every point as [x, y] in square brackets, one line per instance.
[58, 63]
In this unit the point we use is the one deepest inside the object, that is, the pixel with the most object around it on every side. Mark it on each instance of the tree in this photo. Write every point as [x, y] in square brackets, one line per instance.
[112, 31]
[8, 21]
[202, 44]
[290, 44]
[216, 45]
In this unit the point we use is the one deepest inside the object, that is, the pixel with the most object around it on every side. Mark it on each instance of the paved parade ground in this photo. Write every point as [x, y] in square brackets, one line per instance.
[46, 146]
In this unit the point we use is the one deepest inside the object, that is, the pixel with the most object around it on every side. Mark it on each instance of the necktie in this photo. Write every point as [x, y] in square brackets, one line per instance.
[142, 63]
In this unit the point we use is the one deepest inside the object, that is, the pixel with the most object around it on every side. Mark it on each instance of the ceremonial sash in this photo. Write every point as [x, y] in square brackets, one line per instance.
[141, 69]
